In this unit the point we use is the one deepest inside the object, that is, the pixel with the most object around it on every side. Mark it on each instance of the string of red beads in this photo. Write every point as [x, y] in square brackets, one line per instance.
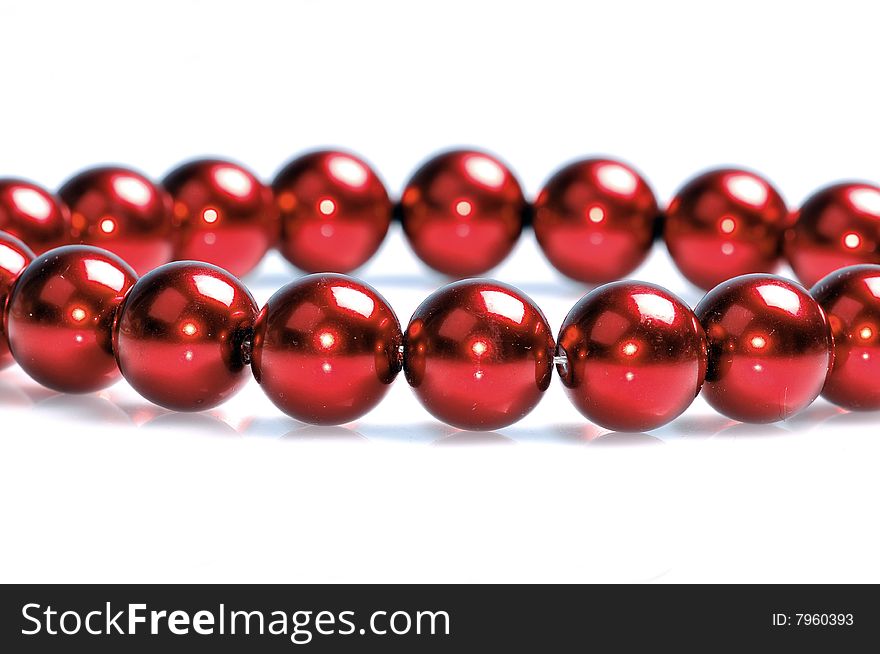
[478, 353]
[462, 212]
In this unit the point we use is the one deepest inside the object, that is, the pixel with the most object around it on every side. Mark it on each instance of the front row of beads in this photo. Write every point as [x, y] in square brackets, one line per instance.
[478, 354]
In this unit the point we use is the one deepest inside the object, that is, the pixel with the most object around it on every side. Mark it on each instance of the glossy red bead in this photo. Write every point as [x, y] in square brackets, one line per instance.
[122, 211]
[725, 223]
[60, 317]
[326, 348]
[478, 354]
[851, 299]
[837, 226]
[635, 356]
[334, 209]
[769, 348]
[34, 215]
[462, 212]
[180, 334]
[14, 257]
[223, 214]
[595, 220]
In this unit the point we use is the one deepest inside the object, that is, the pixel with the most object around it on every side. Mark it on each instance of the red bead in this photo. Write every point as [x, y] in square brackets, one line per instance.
[595, 220]
[837, 226]
[60, 317]
[335, 211]
[725, 223]
[34, 215]
[635, 356]
[222, 214]
[326, 348]
[462, 212]
[479, 354]
[122, 211]
[851, 299]
[14, 257]
[769, 348]
[180, 333]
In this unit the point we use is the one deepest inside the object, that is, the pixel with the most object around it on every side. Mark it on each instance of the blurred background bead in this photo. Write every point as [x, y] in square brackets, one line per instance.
[180, 333]
[14, 257]
[60, 317]
[837, 226]
[635, 356]
[478, 354]
[725, 223]
[122, 211]
[34, 215]
[851, 299]
[223, 214]
[326, 349]
[462, 212]
[334, 209]
[595, 220]
[769, 348]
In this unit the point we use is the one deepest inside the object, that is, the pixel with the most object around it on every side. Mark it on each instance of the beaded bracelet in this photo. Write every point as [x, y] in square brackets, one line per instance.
[478, 354]
[462, 212]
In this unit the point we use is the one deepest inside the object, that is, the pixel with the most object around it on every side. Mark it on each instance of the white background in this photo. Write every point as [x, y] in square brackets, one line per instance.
[106, 487]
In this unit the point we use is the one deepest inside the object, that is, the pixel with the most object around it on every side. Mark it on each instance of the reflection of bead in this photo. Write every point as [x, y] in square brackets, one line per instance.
[122, 211]
[14, 256]
[222, 214]
[478, 354]
[462, 212]
[335, 211]
[837, 226]
[34, 215]
[595, 220]
[725, 223]
[326, 348]
[180, 333]
[769, 348]
[851, 298]
[60, 317]
[635, 356]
